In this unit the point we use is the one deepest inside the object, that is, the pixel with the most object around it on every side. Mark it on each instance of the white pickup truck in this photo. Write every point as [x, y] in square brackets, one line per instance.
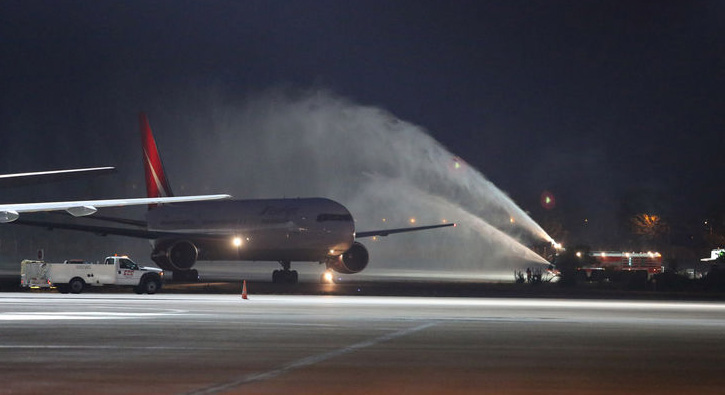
[75, 275]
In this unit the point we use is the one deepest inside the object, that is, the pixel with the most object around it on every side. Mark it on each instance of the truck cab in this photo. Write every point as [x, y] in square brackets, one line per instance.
[127, 272]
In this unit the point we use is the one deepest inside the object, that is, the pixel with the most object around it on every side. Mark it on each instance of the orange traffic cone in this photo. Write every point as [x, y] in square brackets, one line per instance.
[244, 289]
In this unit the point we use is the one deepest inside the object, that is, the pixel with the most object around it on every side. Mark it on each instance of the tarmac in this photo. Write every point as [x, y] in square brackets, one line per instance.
[206, 339]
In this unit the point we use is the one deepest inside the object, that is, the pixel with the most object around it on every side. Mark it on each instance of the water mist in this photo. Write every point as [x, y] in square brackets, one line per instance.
[388, 172]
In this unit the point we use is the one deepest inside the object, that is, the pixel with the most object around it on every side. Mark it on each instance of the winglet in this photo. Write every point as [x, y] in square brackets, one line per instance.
[156, 183]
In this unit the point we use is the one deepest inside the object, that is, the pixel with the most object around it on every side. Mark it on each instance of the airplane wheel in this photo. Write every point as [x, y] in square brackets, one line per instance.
[285, 277]
[191, 276]
[194, 276]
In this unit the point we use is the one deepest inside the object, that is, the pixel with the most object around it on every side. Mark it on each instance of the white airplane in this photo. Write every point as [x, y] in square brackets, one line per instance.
[281, 230]
[78, 208]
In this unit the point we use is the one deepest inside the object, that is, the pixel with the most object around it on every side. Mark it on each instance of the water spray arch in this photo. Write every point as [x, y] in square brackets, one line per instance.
[385, 170]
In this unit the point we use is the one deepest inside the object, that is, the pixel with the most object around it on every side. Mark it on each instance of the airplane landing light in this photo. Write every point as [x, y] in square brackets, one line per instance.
[328, 277]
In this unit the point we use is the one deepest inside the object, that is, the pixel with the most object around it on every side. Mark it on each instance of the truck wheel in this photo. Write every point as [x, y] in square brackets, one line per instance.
[151, 286]
[76, 285]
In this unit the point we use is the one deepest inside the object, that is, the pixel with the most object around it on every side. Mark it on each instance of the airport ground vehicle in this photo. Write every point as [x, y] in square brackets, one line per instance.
[648, 263]
[75, 275]
[715, 254]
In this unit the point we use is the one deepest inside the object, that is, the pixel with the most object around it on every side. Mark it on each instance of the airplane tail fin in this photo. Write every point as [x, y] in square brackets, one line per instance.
[156, 183]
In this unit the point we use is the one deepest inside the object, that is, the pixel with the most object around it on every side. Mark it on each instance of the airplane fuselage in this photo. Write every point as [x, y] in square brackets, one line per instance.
[304, 229]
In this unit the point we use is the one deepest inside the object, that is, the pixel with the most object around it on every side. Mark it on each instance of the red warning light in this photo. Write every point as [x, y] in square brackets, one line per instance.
[547, 200]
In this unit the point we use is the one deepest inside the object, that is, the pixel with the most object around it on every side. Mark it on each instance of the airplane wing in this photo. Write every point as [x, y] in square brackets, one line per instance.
[99, 230]
[38, 177]
[153, 234]
[385, 232]
[108, 230]
[125, 221]
[79, 208]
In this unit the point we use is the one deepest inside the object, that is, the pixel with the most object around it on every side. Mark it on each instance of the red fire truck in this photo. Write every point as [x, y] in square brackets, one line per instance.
[623, 261]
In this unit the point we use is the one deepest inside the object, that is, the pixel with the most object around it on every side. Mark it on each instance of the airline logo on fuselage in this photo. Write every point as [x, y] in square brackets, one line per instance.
[277, 214]
[272, 211]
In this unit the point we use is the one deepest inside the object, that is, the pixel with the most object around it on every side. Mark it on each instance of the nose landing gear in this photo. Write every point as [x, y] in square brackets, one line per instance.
[285, 276]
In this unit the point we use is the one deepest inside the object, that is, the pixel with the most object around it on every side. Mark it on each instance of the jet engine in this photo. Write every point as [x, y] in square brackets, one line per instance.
[352, 261]
[178, 255]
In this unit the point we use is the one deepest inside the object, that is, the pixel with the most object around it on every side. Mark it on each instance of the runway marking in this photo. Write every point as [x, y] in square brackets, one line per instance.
[60, 347]
[45, 316]
[309, 361]
[669, 322]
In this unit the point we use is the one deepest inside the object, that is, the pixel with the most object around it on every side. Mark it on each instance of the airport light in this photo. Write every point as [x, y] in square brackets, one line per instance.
[412, 220]
[578, 254]
[237, 241]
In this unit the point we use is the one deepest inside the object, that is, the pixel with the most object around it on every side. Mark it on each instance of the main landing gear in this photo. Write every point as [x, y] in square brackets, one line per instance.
[285, 276]
[186, 276]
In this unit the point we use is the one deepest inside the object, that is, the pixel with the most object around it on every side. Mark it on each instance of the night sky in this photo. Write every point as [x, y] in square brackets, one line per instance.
[603, 103]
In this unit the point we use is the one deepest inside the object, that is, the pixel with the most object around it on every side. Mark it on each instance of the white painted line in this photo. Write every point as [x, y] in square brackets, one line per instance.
[68, 347]
[45, 316]
[309, 361]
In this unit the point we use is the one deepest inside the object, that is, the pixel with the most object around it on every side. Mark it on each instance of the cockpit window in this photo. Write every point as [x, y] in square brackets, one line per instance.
[334, 217]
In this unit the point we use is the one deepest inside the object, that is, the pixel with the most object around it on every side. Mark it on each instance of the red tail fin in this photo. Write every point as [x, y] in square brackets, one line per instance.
[156, 183]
